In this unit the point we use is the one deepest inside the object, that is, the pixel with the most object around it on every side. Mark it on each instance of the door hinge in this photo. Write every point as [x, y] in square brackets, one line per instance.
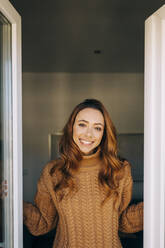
[4, 189]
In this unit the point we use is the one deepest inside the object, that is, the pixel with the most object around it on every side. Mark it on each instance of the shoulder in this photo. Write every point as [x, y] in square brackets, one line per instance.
[51, 169]
[127, 172]
[127, 166]
[48, 180]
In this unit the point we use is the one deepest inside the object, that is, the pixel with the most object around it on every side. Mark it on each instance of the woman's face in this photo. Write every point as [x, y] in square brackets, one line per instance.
[88, 130]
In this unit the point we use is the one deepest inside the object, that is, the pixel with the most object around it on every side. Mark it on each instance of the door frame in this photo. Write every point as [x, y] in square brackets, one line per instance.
[154, 131]
[14, 18]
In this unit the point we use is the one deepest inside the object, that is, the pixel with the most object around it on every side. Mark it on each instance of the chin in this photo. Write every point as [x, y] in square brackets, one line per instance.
[86, 152]
[89, 152]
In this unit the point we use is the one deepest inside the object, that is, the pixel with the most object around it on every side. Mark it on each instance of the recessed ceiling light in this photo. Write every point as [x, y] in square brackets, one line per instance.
[97, 51]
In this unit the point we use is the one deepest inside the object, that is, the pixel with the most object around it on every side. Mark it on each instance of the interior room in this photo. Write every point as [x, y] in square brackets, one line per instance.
[73, 50]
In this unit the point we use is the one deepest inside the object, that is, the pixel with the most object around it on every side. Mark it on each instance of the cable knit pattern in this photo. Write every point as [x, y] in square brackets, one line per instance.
[80, 220]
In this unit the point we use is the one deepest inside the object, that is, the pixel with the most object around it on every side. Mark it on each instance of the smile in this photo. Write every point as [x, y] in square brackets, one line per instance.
[85, 142]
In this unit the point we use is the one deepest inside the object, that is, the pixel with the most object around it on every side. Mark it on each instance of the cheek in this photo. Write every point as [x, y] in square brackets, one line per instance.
[76, 133]
[99, 136]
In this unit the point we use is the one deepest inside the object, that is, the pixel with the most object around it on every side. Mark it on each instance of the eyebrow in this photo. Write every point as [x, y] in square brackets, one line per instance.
[94, 123]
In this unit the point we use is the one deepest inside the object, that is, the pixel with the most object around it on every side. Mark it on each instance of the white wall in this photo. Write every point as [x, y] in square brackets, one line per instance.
[48, 99]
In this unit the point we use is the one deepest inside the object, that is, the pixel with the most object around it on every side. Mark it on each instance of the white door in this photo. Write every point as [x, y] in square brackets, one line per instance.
[154, 131]
[10, 128]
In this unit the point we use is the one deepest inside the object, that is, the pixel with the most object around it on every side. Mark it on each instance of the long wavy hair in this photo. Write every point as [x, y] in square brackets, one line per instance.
[70, 155]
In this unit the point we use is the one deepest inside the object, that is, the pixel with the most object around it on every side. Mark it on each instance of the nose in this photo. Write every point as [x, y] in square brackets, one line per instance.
[89, 132]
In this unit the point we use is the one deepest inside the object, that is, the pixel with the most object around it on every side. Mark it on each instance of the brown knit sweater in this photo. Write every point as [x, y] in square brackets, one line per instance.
[80, 220]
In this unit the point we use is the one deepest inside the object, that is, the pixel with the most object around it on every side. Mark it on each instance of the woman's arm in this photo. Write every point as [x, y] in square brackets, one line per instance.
[41, 217]
[131, 217]
[131, 220]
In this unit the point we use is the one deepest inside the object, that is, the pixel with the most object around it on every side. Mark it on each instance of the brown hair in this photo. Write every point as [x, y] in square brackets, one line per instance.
[70, 154]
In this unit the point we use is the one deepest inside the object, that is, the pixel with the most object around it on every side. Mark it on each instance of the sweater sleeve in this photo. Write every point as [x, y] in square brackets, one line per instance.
[41, 217]
[131, 217]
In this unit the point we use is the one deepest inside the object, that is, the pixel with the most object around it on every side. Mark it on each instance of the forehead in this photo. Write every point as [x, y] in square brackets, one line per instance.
[90, 115]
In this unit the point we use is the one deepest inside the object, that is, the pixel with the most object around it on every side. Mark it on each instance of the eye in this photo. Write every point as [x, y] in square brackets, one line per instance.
[81, 124]
[98, 129]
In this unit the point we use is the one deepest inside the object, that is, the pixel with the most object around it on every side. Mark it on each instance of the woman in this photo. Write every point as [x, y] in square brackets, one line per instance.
[86, 192]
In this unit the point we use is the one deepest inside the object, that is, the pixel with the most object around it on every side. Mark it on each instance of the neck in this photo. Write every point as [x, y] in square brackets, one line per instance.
[90, 161]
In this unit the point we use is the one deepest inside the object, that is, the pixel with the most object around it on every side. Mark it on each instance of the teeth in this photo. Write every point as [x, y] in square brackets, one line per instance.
[86, 142]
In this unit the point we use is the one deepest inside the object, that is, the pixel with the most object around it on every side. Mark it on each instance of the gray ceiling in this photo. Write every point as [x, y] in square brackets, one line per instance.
[84, 35]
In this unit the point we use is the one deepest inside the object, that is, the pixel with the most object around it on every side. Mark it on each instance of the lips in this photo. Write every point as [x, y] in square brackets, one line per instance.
[86, 142]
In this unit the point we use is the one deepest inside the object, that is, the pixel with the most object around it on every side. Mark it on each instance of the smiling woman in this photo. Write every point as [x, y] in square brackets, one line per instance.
[86, 192]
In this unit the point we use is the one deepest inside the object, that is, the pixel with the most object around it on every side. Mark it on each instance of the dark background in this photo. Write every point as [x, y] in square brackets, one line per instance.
[61, 35]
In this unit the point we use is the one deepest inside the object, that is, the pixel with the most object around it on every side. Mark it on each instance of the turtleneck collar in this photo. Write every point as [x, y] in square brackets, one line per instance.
[90, 162]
